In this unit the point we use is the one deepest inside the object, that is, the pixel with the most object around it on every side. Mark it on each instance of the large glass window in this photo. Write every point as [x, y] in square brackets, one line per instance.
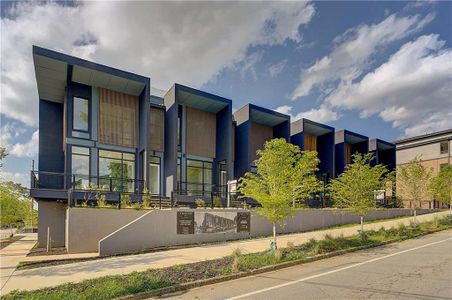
[199, 177]
[116, 170]
[80, 167]
[81, 108]
[154, 175]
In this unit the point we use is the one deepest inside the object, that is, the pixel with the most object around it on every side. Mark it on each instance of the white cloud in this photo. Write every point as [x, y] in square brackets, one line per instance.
[28, 149]
[354, 51]
[323, 114]
[412, 90]
[277, 68]
[21, 178]
[186, 42]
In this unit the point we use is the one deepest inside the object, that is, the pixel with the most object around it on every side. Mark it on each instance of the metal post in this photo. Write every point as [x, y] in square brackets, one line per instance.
[172, 198]
[160, 201]
[48, 239]
[111, 184]
[211, 199]
[119, 200]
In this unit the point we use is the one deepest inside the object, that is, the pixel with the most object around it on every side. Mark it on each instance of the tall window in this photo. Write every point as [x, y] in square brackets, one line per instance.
[80, 167]
[154, 175]
[81, 108]
[116, 170]
[199, 177]
[444, 147]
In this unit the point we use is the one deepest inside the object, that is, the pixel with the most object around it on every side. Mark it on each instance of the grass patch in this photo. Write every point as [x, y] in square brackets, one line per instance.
[109, 287]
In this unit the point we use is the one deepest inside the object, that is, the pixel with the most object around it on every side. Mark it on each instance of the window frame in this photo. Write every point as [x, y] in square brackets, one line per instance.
[446, 149]
[203, 168]
[88, 131]
[159, 164]
[122, 160]
[73, 176]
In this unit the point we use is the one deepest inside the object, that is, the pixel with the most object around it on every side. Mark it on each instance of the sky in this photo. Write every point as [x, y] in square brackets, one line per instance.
[382, 69]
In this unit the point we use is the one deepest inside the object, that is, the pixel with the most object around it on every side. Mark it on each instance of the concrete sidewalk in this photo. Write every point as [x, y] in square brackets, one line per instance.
[12, 254]
[74, 272]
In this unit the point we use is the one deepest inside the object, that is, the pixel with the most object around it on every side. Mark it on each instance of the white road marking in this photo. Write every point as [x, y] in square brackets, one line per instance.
[335, 271]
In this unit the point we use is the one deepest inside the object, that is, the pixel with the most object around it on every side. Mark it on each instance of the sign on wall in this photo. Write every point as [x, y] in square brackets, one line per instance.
[189, 222]
[185, 222]
[243, 221]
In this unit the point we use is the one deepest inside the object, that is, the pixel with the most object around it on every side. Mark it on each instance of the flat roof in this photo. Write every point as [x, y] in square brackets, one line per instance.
[424, 136]
[199, 99]
[53, 70]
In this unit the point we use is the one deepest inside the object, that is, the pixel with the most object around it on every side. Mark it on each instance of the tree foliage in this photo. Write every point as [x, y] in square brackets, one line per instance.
[355, 187]
[15, 206]
[283, 173]
[441, 186]
[414, 182]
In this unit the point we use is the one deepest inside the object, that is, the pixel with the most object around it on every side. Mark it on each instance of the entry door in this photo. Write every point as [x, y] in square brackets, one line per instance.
[154, 175]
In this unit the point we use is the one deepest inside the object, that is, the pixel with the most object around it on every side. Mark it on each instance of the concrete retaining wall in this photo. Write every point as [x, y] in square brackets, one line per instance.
[86, 226]
[51, 214]
[158, 228]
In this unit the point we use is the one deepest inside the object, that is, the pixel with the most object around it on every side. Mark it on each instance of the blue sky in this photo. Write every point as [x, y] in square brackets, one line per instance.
[383, 69]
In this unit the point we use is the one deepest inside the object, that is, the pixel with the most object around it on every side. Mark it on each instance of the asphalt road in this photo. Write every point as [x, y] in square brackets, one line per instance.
[414, 269]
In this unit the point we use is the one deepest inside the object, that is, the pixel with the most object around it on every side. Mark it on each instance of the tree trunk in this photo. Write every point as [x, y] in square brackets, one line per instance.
[414, 217]
[274, 247]
[362, 225]
[450, 210]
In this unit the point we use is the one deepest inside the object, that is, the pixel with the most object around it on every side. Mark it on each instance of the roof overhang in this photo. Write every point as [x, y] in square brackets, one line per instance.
[200, 100]
[54, 69]
[260, 115]
[350, 137]
[380, 145]
[310, 127]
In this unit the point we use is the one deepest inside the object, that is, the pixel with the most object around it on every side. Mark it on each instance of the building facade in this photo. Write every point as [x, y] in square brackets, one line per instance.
[434, 151]
[104, 129]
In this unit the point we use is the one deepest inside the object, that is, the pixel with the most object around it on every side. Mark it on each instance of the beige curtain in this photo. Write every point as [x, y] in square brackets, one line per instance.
[310, 142]
[118, 118]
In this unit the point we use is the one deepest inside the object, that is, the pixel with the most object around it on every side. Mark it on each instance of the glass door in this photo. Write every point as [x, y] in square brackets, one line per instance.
[154, 175]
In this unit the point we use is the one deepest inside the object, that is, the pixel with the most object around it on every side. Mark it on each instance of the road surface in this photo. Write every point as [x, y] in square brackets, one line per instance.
[414, 269]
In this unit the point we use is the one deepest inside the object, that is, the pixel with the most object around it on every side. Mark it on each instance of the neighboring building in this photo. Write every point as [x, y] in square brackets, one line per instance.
[434, 150]
[105, 129]
[347, 144]
[384, 153]
[255, 126]
[310, 135]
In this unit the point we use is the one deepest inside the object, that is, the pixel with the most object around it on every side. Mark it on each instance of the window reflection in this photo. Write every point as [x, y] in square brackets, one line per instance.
[116, 171]
[80, 167]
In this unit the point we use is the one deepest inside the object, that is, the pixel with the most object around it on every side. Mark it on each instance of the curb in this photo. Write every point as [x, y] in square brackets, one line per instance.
[203, 282]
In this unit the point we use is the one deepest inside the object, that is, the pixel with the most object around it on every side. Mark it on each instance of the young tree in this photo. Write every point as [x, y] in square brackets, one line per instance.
[355, 187]
[441, 187]
[283, 173]
[413, 183]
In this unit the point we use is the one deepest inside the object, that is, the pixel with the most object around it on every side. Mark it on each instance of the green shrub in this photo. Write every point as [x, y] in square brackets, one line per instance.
[125, 201]
[200, 203]
[146, 198]
[102, 200]
[217, 202]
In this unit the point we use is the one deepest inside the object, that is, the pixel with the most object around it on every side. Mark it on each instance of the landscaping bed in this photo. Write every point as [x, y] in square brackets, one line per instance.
[157, 281]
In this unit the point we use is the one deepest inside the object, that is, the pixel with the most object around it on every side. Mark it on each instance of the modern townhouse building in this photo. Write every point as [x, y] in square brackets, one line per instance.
[198, 138]
[348, 143]
[310, 135]
[384, 153]
[256, 125]
[104, 129]
[434, 151]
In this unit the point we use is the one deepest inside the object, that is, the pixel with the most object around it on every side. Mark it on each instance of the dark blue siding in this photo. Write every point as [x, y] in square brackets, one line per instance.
[51, 155]
[223, 141]
[242, 157]
[325, 146]
[282, 131]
